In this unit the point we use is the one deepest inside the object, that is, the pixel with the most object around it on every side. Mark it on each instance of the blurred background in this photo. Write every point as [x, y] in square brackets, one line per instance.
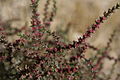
[73, 16]
[72, 19]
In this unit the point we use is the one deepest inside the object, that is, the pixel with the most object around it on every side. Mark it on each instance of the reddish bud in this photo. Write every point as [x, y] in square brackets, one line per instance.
[33, 1]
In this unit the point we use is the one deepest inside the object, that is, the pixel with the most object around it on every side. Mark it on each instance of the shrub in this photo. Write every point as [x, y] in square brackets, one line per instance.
[41, 54]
